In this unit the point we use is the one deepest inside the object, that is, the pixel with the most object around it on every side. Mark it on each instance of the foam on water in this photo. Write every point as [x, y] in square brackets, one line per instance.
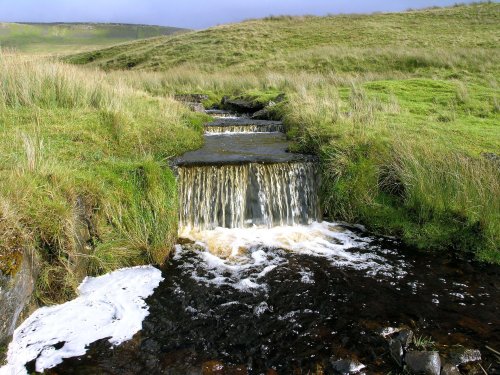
[240, 258]
[111, 306]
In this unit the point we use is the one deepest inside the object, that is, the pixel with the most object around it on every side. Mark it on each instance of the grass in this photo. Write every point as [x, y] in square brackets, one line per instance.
[380, 43]
[73, 37]
[76, 147]
[423, 343]
[401, 116]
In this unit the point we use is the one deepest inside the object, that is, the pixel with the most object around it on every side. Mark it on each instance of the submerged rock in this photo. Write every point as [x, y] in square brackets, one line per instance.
[347, 366]
[396, 351]
[449, 369]
[423, 363]
[388, 331]
[460, 355]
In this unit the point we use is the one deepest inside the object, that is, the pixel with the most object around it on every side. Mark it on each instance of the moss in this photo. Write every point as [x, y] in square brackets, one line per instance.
[10, 261]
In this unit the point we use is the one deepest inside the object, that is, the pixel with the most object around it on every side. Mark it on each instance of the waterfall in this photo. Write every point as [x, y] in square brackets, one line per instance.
[239, 196]
[254, 128]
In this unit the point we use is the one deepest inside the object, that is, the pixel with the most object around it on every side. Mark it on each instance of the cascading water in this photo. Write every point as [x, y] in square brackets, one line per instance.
[225, 125]
[268, 128]
[238, 196]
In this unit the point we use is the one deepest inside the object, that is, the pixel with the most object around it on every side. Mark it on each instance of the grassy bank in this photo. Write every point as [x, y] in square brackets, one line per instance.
[401, 109]
[404, 119]
[410, 157]
[78, 149]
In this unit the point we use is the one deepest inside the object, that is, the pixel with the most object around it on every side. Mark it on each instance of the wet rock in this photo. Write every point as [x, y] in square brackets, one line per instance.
[449, 369]
[263, 114]
[396, 350]
[242, 105]
[460, 355]
[15, 293]
[347, 366]
[191, 98]
[405, 337]
[423, 363]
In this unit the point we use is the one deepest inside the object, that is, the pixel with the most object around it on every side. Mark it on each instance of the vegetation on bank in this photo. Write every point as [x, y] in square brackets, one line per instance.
[404, 118]
[73, 37]
[80, 152]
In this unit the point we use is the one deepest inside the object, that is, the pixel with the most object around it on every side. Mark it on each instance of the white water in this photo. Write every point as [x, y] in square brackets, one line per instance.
[241, 257]
[238, 196]
[111, 306]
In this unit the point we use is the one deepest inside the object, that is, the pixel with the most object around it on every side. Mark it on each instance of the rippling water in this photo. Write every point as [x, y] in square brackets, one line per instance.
[291, 298]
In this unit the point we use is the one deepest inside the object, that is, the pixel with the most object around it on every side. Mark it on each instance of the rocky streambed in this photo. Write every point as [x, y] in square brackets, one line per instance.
[352, 304]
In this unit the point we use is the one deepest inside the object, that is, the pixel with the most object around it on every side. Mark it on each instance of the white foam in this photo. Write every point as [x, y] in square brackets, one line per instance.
[227, 248]
[110, 306]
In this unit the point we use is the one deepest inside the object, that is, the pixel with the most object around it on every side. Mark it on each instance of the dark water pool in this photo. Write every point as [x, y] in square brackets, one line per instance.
[289, 313]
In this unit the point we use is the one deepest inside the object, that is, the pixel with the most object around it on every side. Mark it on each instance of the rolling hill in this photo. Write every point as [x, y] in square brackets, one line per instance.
[338, 43]
[73, 37]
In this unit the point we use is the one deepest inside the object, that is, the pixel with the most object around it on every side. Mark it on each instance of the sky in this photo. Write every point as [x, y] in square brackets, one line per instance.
[195, 14]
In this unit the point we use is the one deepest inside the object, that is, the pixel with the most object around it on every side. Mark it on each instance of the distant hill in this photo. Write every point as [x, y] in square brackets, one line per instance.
[73, 37]
[335, 43]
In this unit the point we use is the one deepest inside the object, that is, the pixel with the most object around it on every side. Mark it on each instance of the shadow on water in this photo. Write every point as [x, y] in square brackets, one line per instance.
[293, 312]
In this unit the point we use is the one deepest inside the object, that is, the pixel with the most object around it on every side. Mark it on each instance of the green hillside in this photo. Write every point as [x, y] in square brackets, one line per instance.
[403, 111]
[67, 37]
[357, 43]
[402, 108]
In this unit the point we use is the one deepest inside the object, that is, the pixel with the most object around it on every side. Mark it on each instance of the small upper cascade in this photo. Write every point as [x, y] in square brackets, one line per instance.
[219, 113]
[243, 125]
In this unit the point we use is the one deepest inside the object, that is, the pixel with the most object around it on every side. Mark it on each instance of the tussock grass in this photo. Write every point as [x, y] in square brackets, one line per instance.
[435, 193]
[401, 117]
[84, 176]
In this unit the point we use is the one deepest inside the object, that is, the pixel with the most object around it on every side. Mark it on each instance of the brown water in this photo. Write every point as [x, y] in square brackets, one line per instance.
[288, 311]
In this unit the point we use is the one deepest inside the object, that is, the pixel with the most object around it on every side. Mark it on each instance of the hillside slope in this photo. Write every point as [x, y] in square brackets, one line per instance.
[337, 43]
[66, 37]
[403, 109]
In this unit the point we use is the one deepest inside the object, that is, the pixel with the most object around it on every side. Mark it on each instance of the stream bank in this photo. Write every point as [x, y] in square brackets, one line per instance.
[259, 284]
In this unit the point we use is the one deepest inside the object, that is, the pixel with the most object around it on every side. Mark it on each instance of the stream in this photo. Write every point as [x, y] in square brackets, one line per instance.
[260, 284]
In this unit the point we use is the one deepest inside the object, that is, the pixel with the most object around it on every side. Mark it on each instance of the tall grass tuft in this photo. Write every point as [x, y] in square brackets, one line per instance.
[84, 177]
